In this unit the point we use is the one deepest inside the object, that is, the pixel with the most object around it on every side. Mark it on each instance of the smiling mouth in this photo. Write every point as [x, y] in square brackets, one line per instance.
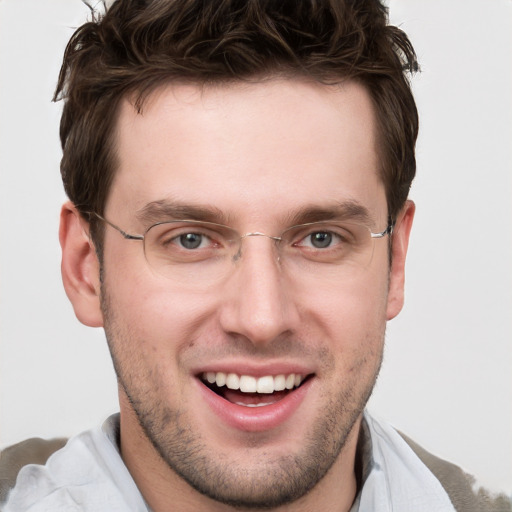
[249, 391]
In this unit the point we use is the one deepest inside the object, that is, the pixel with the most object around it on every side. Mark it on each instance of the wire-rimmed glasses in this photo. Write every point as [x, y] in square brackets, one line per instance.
[190, 250]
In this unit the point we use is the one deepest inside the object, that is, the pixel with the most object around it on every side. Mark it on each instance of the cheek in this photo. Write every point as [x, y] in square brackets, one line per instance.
[350, 305]
[349, 319]
[150, 311]
[148, 329]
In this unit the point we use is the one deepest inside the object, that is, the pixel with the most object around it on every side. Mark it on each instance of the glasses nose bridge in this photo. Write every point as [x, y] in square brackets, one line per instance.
[275, 239]
[259, 233]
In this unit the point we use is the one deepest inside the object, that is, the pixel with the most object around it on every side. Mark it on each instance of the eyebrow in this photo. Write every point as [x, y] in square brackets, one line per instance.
[157, 211]
[345, 210]
[161, 210]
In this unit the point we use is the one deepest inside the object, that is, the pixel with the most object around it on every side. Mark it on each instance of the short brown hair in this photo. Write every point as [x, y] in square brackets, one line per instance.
[138, 45]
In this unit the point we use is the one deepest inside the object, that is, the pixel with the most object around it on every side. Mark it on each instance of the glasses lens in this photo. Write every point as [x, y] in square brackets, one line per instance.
[188, 249]
[202, 252]
[344, 244]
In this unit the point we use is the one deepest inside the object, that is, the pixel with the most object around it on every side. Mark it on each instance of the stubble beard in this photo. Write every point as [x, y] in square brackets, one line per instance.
[266, 481]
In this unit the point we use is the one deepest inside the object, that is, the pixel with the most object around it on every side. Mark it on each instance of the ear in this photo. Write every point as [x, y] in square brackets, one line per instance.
[399, 245]
[80, 267]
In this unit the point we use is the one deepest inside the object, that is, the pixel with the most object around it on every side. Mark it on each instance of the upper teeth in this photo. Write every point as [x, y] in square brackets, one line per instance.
[250, 384]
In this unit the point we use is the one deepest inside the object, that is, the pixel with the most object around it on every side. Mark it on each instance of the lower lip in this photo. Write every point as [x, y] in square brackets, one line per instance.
[255, 419]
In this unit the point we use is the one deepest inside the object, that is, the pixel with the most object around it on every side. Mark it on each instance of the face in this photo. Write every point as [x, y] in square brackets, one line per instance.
[254, 156]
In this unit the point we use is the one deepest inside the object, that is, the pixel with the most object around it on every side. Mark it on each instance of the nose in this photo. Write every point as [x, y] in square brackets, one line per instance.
[257, 301]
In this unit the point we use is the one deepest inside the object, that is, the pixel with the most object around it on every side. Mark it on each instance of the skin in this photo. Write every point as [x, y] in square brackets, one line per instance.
[258, 153]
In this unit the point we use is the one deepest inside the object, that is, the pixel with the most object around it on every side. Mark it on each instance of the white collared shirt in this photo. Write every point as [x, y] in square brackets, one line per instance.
[396, 479]
[89, 475]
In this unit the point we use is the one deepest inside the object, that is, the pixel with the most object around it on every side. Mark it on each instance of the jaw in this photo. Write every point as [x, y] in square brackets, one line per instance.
[320, 463]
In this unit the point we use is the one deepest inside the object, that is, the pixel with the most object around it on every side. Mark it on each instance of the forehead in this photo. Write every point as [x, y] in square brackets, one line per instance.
[250, 150]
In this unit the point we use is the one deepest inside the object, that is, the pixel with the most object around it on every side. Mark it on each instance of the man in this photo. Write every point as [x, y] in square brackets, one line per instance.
[238, 224]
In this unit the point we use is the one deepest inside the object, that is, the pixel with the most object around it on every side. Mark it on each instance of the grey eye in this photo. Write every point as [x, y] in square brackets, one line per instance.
[321, 239]
[191, 240]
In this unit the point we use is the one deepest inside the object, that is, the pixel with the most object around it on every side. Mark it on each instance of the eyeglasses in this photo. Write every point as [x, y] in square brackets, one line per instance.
[191, 251]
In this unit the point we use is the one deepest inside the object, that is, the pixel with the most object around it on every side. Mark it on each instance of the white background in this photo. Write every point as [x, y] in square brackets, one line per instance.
[446, 381]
